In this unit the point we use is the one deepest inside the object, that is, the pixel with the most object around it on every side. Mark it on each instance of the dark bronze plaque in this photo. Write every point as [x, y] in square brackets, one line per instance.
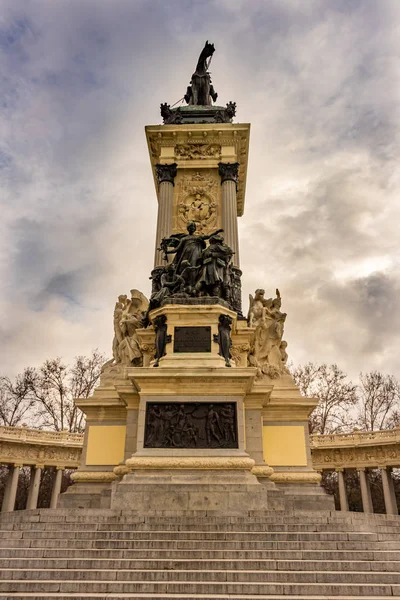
[190, 425]
[192, 339]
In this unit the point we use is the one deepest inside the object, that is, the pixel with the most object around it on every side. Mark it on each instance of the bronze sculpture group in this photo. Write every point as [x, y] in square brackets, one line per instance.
[196, 270]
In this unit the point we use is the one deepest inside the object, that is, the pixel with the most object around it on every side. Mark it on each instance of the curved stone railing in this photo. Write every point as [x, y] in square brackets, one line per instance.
[360, 450]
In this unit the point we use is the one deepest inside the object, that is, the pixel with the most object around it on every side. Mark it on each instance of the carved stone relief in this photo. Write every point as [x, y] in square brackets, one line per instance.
[197, 201]
[193, 151]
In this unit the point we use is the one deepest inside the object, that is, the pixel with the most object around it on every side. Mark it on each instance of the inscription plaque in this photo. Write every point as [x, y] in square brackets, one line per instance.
[192, 339]
[190, 425]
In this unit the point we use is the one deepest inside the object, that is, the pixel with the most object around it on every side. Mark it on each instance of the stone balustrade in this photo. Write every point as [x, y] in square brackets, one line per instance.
[21, 446]
[359, 450]
[362, 451]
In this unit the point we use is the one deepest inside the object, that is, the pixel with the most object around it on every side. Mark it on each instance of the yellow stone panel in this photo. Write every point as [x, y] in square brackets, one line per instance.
[284, 445]
[106, 444]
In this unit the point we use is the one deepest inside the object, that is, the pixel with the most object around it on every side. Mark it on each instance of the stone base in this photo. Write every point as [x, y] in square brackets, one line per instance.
[86, 495]
[306, 497]
[180, 498]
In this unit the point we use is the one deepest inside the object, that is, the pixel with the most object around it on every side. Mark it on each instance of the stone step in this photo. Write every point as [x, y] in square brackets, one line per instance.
[366, 543]
[201, 564]
[205, 526]
[197, 575]
[154, 553]
[204, 587]
[200, 535]
[102, 596]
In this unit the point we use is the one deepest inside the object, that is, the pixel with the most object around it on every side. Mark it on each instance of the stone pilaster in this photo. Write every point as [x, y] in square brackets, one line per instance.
[165, 177]
[229, 179]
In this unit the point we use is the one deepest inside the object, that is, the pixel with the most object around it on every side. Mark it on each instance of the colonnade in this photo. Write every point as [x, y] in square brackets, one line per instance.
[366, 496]
[11, 488]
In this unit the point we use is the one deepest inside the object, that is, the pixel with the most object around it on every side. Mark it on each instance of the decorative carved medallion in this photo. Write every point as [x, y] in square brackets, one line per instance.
[197, 201]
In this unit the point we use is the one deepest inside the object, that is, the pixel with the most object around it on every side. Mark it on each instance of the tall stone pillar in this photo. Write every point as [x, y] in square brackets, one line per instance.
[34, 488]
[388, 491]
[344, 503]
[165, 177]
[229, 179]
[365, 491]
[12, 493]
[7, 489]
[56, 487]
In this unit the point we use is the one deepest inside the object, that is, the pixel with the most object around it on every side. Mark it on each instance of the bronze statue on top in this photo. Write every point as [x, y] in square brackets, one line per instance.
[201, 91]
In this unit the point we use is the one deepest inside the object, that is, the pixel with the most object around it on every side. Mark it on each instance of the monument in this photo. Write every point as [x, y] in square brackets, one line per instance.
[197, 409]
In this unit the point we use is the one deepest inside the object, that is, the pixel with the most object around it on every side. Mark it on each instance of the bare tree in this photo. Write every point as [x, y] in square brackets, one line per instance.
[335, 393]
[55, 385]
[16, 400]
[379, 401]
[44, 397]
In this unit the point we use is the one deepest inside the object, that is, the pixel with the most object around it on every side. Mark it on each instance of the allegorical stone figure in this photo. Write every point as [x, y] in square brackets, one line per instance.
[200, 91]
[268, 352]
[132, 319]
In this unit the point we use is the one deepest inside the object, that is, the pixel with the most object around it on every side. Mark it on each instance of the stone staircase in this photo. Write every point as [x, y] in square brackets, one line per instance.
[112, 554]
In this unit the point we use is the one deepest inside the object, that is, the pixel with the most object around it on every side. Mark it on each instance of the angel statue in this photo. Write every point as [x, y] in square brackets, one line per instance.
[131, 320]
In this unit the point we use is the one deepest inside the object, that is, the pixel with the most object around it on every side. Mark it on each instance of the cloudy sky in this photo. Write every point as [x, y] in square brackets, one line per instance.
[319, 82]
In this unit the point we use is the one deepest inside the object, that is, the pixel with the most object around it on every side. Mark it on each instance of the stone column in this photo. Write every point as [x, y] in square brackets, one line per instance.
[7, 489]
[165, 176]
[12, 492]
[34, 486]
[229, 178]
[344, 504]
[388, 491]
[365, 491]
[56, 487]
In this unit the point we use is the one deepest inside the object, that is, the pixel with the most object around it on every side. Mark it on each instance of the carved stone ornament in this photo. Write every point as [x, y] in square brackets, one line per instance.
[197, 202]
[195, 151]
[166, 173]
[191, 462]
[228, 172]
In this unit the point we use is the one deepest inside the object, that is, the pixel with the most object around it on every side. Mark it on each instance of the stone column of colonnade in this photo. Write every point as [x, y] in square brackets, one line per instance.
[165, 177]
[56, 487]
[10, 493]
[229, 173]
[366, 497]
[344, 503]
[388, 491]
[34, 486]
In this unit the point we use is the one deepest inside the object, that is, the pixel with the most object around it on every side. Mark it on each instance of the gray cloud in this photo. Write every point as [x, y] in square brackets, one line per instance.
[319, 82]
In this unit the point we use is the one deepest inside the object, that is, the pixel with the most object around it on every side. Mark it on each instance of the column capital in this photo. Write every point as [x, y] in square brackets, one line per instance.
[166, 173]
[228, 172]
[58, 468]
[339, 469]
